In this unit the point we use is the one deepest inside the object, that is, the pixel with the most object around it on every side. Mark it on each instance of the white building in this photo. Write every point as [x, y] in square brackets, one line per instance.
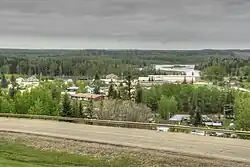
[72, 90]
[187, 69]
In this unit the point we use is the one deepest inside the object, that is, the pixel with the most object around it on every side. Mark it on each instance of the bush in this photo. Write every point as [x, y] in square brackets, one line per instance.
[123, 111]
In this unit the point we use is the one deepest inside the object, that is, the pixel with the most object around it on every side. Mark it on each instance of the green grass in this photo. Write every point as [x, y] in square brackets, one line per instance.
[14, 154]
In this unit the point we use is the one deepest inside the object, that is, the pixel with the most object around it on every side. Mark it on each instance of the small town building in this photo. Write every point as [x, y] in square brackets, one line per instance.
[87, 96]
[72, 90]
[90, 89]
[31, 79]
[112, 76]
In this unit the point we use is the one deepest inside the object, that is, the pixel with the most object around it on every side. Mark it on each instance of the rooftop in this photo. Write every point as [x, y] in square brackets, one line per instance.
[87, 95]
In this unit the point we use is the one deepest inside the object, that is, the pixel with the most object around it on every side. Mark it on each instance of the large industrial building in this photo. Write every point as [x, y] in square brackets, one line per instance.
[188, 73]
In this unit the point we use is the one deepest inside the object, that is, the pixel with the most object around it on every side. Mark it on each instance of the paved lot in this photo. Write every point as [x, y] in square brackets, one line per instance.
[233, 149]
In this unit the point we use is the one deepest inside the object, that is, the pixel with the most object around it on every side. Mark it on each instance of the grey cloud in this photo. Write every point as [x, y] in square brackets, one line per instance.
[156, 21]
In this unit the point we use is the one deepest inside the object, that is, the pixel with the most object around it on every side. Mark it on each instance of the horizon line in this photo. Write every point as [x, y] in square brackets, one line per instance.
[116, 49]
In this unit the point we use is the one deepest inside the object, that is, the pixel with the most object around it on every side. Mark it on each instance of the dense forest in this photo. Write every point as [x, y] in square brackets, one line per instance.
[89, 62]
[235, 69]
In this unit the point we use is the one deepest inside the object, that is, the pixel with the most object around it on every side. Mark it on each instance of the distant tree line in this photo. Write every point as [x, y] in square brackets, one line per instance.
[217, 68]
[89, 62]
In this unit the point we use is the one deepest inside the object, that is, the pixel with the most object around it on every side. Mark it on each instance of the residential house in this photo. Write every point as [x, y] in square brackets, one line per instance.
[31, 81]
[72, 90]
[90, 89]
[112, 76]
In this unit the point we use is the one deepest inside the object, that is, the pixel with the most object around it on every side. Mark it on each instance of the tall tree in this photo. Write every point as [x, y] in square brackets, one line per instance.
[138, 94]
[111, 91]
[242, 107]
[4, 82]
[90, 109]
[66, 106]
[167, 107]
[129, 84]
[80, 109]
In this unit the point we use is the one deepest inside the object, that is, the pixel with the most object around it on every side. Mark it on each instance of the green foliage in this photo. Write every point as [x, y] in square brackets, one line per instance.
[66, 106]
[75, 109]
[124, 110]
[167, 107]
[214, 73]
[81, 86]
[90, 109]
[4, 83]
[37, 108]
[242, 107]
[111, 91]
[188, 99]
[138, 94]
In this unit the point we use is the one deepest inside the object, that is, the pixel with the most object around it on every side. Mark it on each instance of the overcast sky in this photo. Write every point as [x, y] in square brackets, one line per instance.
[141, 24]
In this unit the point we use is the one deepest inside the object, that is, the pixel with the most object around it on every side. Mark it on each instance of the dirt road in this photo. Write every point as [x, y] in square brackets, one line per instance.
[233, 149]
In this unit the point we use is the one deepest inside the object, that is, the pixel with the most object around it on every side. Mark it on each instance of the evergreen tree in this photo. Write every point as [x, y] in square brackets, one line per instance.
[114, 96]
[192, 78]
[13, 81]
[80, 109]
[129, 85]
[97, 90]
[4, 82]
[75, 109]
[37, 108]
[185, 80]
[97, 77]
[12, 92]
[197, 119]
[54, 93]
[90, 109]
[66, 106]
[138, 94]
[111, 91]
[101, 106]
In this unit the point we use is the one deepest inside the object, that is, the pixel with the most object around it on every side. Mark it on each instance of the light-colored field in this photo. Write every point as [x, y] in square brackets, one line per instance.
[233, 149]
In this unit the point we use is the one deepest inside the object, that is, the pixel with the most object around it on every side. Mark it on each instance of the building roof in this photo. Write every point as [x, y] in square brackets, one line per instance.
[111, 76]
[87, 95]
[73, 88]
[31, 79]
[179, 117]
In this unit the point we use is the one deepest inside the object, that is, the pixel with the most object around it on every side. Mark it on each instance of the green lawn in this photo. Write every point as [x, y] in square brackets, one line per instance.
[14, 154]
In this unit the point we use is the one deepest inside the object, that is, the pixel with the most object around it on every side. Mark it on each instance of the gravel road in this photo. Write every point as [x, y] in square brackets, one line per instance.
[233, 149]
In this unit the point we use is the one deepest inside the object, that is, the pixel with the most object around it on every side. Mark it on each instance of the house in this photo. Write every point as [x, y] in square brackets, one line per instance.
[143, 79]
[179, 118]
[31, 79]
[87, 96]
[112, 76]
[24, 82]
[90, 89]
[19, 80]
[72, 90]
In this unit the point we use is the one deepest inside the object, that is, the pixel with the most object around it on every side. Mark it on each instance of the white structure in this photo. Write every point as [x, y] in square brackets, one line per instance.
[72, 90]
[112, 76]
[172, 78]
[143, 79]
[187, 69]
[31, 81]
[108, 81]
[19, 80]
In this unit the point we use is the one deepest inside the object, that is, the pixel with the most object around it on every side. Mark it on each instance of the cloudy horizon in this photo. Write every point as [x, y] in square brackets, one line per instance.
[125, 24]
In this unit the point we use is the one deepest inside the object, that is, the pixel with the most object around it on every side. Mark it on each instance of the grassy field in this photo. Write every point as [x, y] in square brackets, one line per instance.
[14, 154]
